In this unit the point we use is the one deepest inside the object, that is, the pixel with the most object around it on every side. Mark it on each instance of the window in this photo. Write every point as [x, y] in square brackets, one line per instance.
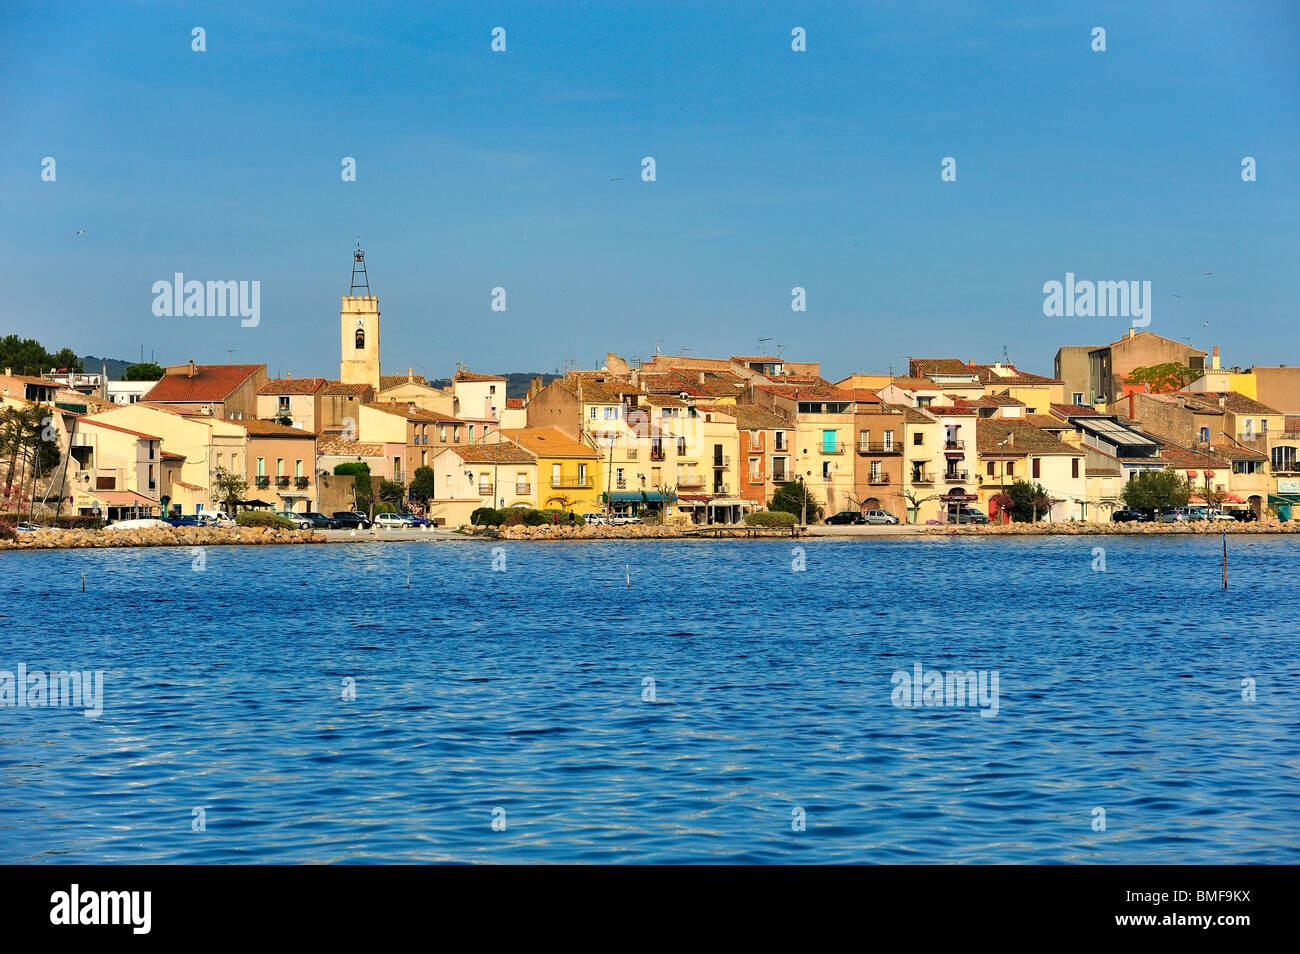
[889, 440]
[555, 474]
[361, 339]
[918, 439]
[219, 459]
[471, 433]
[397, 466]
[828, 442]
[755, 469]
[284, 404]
[279, 467]
[424, 458]
[1037, 464]
[990, 468]
[826, 470]
[864, 439]
[1074, 467]
[593, 413]
[492, 389]
[234, 462]
[780, 440]
[1077, 397]
[442, 434]
[582, 474]
[1011, 468]
[297, 468]
[1205, 435]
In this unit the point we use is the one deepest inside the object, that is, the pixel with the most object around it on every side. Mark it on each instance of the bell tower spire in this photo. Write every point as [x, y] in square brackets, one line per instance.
[359, 321]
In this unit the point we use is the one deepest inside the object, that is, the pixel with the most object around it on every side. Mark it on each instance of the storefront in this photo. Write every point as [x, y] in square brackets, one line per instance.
[114, 505]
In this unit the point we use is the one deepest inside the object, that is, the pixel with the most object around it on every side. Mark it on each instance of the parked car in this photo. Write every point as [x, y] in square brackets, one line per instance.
[1178, 515]
[183, 521]
[1244, 516]
[142, 523]
[392, 521]
[415, 520]
[214, 518]
[879, 516]
[846, 516]
[594, 518]
[1221, 515]
[1130, 516]
[971, 515]
[315, 521]
[351, 520]
[622, 519]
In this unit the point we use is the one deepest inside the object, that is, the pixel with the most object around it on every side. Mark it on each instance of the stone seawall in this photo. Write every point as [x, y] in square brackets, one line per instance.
[174, 537]
[1214, 528]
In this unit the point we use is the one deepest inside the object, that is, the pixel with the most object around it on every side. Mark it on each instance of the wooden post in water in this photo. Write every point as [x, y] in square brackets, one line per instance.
[629, 575]
[83, 581]
[408, 570]
[1225, 561]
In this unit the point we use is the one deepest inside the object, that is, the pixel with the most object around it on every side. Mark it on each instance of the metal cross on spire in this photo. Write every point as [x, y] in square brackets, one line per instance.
[359, 269]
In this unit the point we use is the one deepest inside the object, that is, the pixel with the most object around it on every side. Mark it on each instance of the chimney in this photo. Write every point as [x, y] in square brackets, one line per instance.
[9, 372]
[701, 377]
[410, 375]
[1131, 332]
[103, 380]
[1182, 401]
[1131, 399]
[1214, 360]
[1223, 402]
[1011, 438]
[193, 370]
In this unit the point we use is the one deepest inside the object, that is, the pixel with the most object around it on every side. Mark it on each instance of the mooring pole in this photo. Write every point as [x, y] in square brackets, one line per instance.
[1225, 561]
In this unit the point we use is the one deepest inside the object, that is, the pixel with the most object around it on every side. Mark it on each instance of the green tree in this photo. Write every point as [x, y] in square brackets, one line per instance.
[392, 492]
[27, 356]
[1163, 378]
[424, 486]
[790, 497]
[1156, 490]
[228, 487]
[1027, 500]
[143, 372]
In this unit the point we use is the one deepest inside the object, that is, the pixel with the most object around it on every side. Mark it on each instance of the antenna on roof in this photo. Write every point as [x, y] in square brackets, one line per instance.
[760, 344]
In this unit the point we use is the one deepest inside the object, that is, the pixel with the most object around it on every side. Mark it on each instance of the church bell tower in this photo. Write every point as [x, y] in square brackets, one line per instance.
[359, 321]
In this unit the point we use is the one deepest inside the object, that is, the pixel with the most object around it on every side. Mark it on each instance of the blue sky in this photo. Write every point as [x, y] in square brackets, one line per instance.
[775, 169]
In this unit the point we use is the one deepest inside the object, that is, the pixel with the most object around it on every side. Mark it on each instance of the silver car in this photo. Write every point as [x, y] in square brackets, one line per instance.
[392, 521]
[879, 516]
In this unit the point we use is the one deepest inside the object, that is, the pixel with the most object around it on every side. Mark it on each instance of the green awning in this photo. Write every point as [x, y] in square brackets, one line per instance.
[637, 496]
[1284, 498]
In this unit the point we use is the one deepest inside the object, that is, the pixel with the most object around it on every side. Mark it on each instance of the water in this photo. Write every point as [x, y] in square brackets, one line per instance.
[522, 690]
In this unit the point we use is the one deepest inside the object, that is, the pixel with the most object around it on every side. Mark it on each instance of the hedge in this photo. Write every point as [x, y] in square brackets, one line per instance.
[771, 518]
[352, 468]
[262, 518]
[62, 521]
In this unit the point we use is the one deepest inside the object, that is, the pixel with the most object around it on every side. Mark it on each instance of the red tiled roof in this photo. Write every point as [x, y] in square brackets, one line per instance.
[514, 404]
[89, 419]
[338, 387]
[292, 386]
[493, 454]
[946, 366]
[211, 382]
[471, 376]
[1074, 410]
[987, 375]
[273, 429]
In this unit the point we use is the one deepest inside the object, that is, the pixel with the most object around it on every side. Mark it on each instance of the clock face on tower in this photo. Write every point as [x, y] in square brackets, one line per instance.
[361, 322]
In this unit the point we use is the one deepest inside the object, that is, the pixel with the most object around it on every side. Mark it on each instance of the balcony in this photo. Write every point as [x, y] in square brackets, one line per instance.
[282, 481]
[620, 483]
[485, 490]
[656, 453]
[954, 445]
[956, 476]
[837, 450]
[570, 483]
[780, 477]
[523, 490]
[300, 482]
[878, 480]
[879, 447]
[924, 480]
[263, 481]
[722, 461]
[687, 483]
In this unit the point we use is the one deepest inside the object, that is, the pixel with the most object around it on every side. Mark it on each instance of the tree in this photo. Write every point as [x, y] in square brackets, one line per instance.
[27, 356]
[424, 486]
[1003, 503]
[1156, 490]
[1163, 378]
[1026, 500]
[28, 436]
[392, 491]
[791, 497]
[143, 372]
[914, 500]
[228, 488]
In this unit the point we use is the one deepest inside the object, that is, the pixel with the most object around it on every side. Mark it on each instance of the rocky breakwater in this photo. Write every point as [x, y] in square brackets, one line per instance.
[587, 532]
[174, 537]
[1119, 529]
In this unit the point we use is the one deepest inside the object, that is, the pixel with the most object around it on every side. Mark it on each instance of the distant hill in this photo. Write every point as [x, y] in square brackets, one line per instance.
[91, 365]
[517, 382]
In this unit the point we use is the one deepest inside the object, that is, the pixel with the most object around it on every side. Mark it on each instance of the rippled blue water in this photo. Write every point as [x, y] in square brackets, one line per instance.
[522, 690]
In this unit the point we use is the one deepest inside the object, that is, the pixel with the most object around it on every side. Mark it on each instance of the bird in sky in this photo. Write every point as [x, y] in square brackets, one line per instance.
[1207, 274]
[79, 232]
[1178, 296]
[616, 179]
[1205, 324]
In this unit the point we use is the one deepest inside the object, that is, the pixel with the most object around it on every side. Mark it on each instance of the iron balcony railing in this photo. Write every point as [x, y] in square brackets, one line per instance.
[523, 490]
[485, 490]
[300, 482]
[878, 479]
[922, 479]
[263, 481]
[960, 476]
[879, 447]
[570, 483]
[954, 445]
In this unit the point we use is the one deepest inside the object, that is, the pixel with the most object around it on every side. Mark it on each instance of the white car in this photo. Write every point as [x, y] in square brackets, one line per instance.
[145, 523]
[879, 516]
[214, 518]
[1220, 515]
[594, 518]
[620, 520]
[392, 521]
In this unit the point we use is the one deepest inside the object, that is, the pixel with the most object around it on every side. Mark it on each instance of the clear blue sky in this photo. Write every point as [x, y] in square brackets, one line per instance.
[775, 169]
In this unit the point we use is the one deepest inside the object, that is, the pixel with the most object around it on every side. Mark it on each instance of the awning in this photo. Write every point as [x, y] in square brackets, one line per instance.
[123, 498]
[1227, 498]
[254, 503]
[728, 502]
[694, 498]
[1284, 499]
[636, 496]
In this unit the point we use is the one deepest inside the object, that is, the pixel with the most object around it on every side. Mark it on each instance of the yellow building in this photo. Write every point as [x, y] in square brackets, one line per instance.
[568, 471]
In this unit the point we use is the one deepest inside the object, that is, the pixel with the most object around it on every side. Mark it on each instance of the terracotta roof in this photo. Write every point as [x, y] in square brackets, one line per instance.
[1027, 439]
[664, 400]
[338, 447]
[987, 375]
[822, 391]
[1075, 410]
[922, 367]
[292, 386]
[597, 391]
[168, 455]
[911, 415]
[1047, 422]
[504, 453]
[412, 412]
[387, 381]
[1002, 400]
[338, 387]
[750, 417]
[471, 376]
[514, 404]
[272, 429]
[211, 382]
[1234, 401]
[1182, 458]
[1233, 452]
[548, 442]
[1194, 403]
[89, 419]
[914, 384]
[1126, 339]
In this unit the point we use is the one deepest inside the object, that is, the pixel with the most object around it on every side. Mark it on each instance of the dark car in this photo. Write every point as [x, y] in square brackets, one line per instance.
[847, 516]
[351, 520]
[415, 520]
[1130, 516]
[185, 521]
[971, 515]
[315, 521]
[1245, 516]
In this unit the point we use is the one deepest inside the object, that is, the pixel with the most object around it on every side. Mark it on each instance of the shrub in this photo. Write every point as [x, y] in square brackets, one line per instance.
[7, 530]
[262, 518]
[535, 518]
[770, 518]
[486, 517]
[352, 468]
[512, 519]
